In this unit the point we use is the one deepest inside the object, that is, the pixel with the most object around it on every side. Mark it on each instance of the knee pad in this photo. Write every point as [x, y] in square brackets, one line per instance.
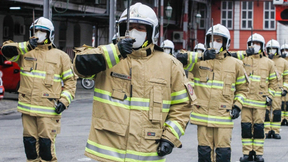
[276, 115]
[267, 115]
[45, 149]
[259, 130]
[287, 106]
[30, 147]
[204, 153]
[282, 105]
[223, 154]
[246, 130]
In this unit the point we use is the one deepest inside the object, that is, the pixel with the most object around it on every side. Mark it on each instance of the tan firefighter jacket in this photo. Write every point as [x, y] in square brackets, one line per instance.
[285, 84]
[219, 84]
[137, 101]
[41, 72]
[262, 74]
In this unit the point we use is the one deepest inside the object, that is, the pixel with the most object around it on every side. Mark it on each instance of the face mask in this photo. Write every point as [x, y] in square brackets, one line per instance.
[199, 51]
[138, 36]
[273, 51]
[256, 48]
[286, 54]
[216, 45]
[167, 50]
[41, 36]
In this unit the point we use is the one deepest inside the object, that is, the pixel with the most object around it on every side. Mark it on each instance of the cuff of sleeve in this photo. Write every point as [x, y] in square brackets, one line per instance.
[237, 103]
[64, 101]
[170, 137]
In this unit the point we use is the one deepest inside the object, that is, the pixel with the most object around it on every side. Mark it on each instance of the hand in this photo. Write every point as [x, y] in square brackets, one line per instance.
[125, 46]
[165, 147]
[209, 54]
[60, 108]
[235, 112]
[284, 92]
[32, 44]
[250, 51]
[182, 57]
[268, 101]
[234, 55]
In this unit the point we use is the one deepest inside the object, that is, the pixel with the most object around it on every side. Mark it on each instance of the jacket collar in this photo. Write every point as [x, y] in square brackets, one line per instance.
[221, 55]
[260, 55]
[45, 46]
[143, 52]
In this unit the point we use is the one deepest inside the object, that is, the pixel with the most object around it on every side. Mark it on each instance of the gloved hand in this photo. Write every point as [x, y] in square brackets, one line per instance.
[165, 147]
[271, 56]
[235, 112]
[234, 55]
[60, 108]
[268, 101]
[125, 46]
[182, 57]
[32, 43]
[209, 54]
[284, 92]
[250, 51]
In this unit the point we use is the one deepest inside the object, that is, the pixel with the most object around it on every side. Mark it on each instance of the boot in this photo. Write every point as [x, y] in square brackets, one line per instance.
[269, 134]
[259, 158]
[245, 158]
[276, 136]
[284, 122]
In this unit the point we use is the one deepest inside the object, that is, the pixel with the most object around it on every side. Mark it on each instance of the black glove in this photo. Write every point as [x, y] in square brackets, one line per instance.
[60, 108]
[234, 55]
[125, 46]
[235, 112]
[165, 147]
[32, 43]
[250, 51]
[209, 54]
[268, 101]
[284, 92]
[182, 57]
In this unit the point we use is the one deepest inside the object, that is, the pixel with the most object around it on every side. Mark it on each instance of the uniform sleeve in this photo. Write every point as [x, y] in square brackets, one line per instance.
[285, 76]
[272, 81]
[193, 58]
[241, 86]
[69, 81]
[12, 51]
[182, 98]
[238, 54]
[91, 61]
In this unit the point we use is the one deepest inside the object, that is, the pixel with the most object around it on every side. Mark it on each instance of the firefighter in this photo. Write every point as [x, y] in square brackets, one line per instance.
[272, 124]
[200, 48]
[168, 47]
[221, 87]
[41, 98]
[142, 98]
[284, 105]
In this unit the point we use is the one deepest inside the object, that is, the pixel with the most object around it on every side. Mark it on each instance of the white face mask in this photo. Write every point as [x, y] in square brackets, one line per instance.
[216, 45]
[167, 50]
[138, 36]
[199, 51]
[286, 54]
[41, 36]
[256, 48]
[273, 51]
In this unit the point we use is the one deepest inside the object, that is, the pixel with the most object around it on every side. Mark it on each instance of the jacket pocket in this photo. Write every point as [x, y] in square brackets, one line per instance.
[28, 64]
[203, 73]
[153, 133]
[117, 128]
[118, 94]
[228, 81]
[50, 71]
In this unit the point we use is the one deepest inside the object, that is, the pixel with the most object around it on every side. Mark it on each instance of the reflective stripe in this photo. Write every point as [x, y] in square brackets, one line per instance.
[111, 55]
[258, 142]
[67, 95]
[285, 85]
[36, 109]
[255, 103]
[240, 55]
[212, 84]
[192, 60]
[286, 113]
[247, 141]
[39, 74]
[192, 84]
[211, 119]
[271, 92]
[15, 58]
[240, 98]
[67, 74]
[272, 76]
[255, 78]
[240, 80]
[278, 94]
[233, 87]
[276, 124]
[179, 97]
[267, 124]
[23, 47]
[285, 72]
[121, 155]
[166, 106]
[57, 78]
[175, 128]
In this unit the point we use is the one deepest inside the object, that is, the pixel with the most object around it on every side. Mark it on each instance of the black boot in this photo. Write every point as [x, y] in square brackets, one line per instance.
[269, 134]
[259, 158]
[284, 122]
[276, 136]
[245, 158]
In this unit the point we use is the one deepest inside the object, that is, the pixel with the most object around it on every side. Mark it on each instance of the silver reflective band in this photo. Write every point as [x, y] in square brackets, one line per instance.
[111, 54]
[253, 77]
[68, 95]
[211, 119]
[247, 142]
[174, 126]
[254, 103]
[22, 47]
[179, 97]
[29, 108]
[34, 73]
[67, 74]
[106, 152]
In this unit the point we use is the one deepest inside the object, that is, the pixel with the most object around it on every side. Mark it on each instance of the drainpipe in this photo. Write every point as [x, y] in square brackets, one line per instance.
[112, 11]
[161, 21]
[185, 25]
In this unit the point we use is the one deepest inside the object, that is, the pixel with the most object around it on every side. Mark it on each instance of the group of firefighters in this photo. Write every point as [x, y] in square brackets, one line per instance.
[143, 99]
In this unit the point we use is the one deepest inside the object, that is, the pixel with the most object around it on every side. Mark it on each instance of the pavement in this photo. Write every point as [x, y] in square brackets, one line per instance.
[75, 127]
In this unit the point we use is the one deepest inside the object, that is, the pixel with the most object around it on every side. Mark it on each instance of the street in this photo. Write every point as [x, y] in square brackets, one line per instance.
[70, 143]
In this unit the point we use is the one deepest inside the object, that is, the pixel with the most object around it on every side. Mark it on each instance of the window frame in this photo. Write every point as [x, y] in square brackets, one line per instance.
[227, 10]
[203, 18]
[269, 16]
[247, 11]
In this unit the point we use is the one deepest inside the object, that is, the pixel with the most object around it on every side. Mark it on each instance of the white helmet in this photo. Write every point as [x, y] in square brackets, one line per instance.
[143, 14]
[43, 24]
[199, 46]
[257, 38]
[284, 46]
[167, 44]
[219, 30]
[273, 44]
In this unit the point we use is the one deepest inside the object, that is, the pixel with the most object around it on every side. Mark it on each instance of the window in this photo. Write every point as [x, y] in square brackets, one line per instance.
[202, 19]
[269, 16]
[247, 14]
[227, 14]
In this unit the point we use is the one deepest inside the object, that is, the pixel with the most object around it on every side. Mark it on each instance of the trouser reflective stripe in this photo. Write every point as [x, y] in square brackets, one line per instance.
[175, 127]
[257, 142]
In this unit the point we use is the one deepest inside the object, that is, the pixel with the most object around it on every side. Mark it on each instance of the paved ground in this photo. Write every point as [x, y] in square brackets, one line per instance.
[70, 143]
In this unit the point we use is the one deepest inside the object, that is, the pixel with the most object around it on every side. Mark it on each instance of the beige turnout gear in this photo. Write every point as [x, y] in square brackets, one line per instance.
[137, 101]
[284, 106]
[41, 72]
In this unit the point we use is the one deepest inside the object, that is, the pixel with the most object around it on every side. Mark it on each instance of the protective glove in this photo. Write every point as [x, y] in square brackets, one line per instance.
[125, 46]
[32, 43]
[235, 112]
[165, 147]
[250, 51]
[182, 57]
[60, 108]
[234, 55]
[284, 92]
[268, 101]
[209, 54]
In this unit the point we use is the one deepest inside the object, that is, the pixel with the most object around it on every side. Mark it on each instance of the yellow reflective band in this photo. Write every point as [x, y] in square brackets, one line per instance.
[247, 142]
[23, 47]
[211, 119]
[271, 92]
[175, 128]
[285, 85]
[285, 73]
[255, 103]
[179, 97]
[110, 54]
[267, 124]
[255, 78]
[211, 84]
[38, 74]
[36, 109]
[193, 56]
[67, 95]
[272, 76]
[240, 98]
[258, 142]
[240, 55]
[276, 124]
[67, 74]
[15, 58]
[240, 80]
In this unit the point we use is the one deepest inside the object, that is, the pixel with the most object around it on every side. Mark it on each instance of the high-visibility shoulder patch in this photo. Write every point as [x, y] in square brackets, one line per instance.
[190, 90]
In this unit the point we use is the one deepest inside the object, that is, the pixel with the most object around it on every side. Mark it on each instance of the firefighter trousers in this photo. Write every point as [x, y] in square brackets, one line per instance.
[272, 120]
[252, 126]
[39, 135]
[284, 110]
[214, 144]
